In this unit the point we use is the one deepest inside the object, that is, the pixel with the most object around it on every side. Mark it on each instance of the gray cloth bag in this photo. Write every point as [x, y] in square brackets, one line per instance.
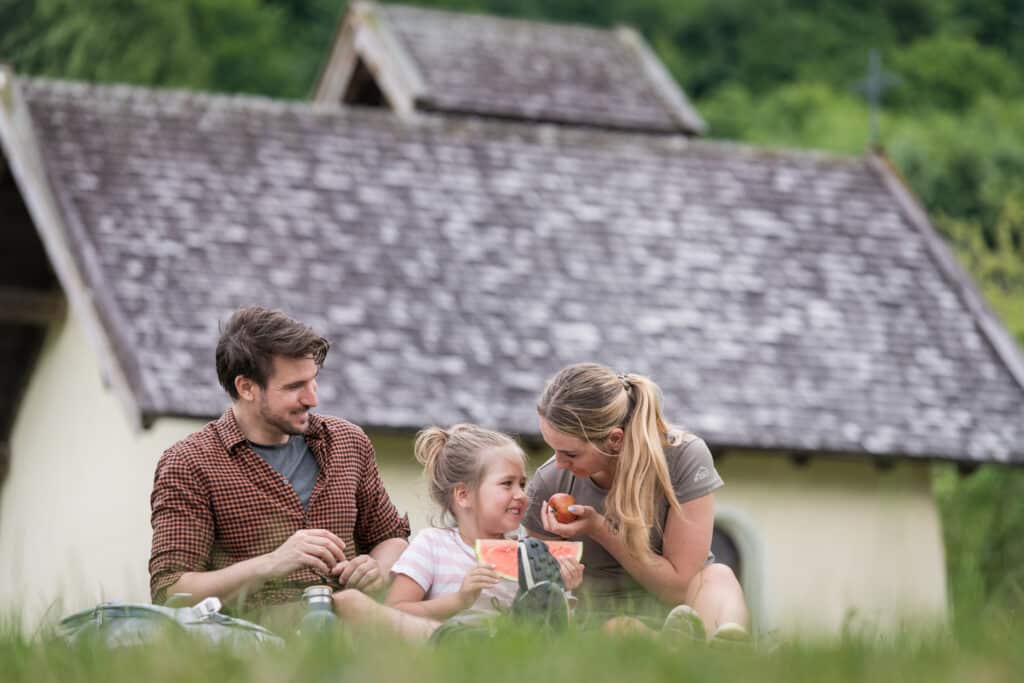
[119, 624]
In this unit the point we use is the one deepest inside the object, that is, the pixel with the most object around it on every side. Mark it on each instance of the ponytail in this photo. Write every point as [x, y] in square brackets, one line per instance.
[643, 470]
[430, 443]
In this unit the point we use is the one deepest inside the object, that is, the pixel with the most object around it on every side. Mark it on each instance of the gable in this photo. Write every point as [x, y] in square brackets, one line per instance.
[782, 300]
[477, 65]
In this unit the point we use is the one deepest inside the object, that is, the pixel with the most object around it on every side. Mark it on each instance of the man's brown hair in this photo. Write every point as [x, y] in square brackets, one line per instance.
[253, 336]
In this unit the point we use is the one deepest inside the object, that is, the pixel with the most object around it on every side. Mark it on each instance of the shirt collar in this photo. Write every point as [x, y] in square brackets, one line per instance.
[231, 435]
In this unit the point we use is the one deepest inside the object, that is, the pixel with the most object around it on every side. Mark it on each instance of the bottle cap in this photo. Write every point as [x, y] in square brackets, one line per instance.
[317, 593]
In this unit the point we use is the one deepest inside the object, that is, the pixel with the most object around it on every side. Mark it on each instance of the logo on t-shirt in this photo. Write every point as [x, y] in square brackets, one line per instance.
[702, 474]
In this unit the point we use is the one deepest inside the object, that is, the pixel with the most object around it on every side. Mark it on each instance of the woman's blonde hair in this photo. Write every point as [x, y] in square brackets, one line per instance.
[455, 456]
[588, 401]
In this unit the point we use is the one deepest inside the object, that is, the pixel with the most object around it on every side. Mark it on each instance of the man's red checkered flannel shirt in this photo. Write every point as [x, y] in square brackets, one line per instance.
[216, 502]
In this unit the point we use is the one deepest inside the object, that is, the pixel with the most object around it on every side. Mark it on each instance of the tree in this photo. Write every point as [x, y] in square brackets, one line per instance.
[230, 45]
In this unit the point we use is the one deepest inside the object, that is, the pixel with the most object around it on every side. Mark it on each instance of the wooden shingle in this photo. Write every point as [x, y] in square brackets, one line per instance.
[781, 299]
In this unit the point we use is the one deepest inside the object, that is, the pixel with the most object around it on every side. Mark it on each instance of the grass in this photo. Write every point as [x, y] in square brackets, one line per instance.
[990, 652]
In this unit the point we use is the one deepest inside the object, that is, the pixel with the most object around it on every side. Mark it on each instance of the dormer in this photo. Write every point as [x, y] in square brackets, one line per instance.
[418, 60]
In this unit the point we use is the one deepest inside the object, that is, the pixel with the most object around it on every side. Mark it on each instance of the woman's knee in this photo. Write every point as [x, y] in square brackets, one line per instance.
[720, 574]
[713, 577]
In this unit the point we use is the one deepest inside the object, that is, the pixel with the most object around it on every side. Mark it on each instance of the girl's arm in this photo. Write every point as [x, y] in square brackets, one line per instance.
[685, 545]
[407, 595]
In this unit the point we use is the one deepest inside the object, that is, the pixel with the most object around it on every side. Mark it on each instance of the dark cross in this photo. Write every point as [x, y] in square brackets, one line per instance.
[873, 87]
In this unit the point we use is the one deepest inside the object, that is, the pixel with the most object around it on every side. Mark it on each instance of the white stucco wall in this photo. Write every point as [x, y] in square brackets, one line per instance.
[817, 541]
[836, 539]
[74, 511]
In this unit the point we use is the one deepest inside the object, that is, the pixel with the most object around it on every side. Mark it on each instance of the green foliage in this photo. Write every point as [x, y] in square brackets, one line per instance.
[802, 114]
[951, 72]
[997, 263]
[983, 519]
[998, 23]
[226, 45]
[969, 172]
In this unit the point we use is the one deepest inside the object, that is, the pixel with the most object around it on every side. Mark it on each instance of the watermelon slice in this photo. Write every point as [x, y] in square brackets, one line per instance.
[502, 554]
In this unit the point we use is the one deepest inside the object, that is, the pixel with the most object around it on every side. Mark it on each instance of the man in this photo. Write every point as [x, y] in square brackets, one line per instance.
[271, 498]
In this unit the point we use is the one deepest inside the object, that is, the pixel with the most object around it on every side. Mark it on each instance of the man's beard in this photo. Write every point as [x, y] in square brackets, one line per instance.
[279, 422]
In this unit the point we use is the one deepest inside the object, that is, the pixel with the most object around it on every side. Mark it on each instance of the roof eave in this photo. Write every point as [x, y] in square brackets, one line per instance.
[988, 323]
[800, 452]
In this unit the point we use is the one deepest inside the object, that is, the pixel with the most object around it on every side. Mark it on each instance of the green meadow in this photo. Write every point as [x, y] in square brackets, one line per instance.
[986, 650]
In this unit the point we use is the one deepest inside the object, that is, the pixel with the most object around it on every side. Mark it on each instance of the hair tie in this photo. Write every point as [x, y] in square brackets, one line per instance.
[625, 381]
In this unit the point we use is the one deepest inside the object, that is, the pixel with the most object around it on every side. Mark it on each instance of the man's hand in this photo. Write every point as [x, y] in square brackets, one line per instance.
[361, 573]
[315, 548]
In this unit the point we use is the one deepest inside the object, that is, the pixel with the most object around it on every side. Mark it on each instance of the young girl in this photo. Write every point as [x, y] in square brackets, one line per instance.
[478, 479]
[644, 498]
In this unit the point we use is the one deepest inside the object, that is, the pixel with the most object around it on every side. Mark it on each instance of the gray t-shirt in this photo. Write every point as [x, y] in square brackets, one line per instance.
[295, 462]
[605, 581]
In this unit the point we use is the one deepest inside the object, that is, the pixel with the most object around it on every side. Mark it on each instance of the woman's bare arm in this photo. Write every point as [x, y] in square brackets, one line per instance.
[686, 541]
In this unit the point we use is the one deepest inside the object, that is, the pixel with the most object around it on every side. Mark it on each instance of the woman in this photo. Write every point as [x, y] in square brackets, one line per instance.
[644, 500]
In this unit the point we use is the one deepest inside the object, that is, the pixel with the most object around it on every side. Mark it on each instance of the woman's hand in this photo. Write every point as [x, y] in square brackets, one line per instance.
[589, 521]
[572, 572]
[478, 578]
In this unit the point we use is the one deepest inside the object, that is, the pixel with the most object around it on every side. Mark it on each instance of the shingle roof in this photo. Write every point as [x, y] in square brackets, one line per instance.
[781, 299]
[492, 66]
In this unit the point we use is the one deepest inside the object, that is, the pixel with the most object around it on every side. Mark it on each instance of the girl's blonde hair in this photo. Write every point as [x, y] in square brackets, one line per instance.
[456, 456]
[588, 401]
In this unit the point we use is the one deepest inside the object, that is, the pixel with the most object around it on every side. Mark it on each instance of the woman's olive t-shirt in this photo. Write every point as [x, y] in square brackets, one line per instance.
[606, 584]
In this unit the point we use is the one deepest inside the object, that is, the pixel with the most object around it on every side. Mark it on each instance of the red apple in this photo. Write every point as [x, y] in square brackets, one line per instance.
[559, 504]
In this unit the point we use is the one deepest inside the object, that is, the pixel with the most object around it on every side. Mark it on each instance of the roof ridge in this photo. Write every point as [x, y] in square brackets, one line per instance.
[125, 92]
[480, 15]
[752, 148]
[130, 92]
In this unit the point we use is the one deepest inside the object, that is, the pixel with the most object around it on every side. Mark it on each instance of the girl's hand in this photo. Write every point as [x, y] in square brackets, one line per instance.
[572, 572]
[478, 578]
[588, 523]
